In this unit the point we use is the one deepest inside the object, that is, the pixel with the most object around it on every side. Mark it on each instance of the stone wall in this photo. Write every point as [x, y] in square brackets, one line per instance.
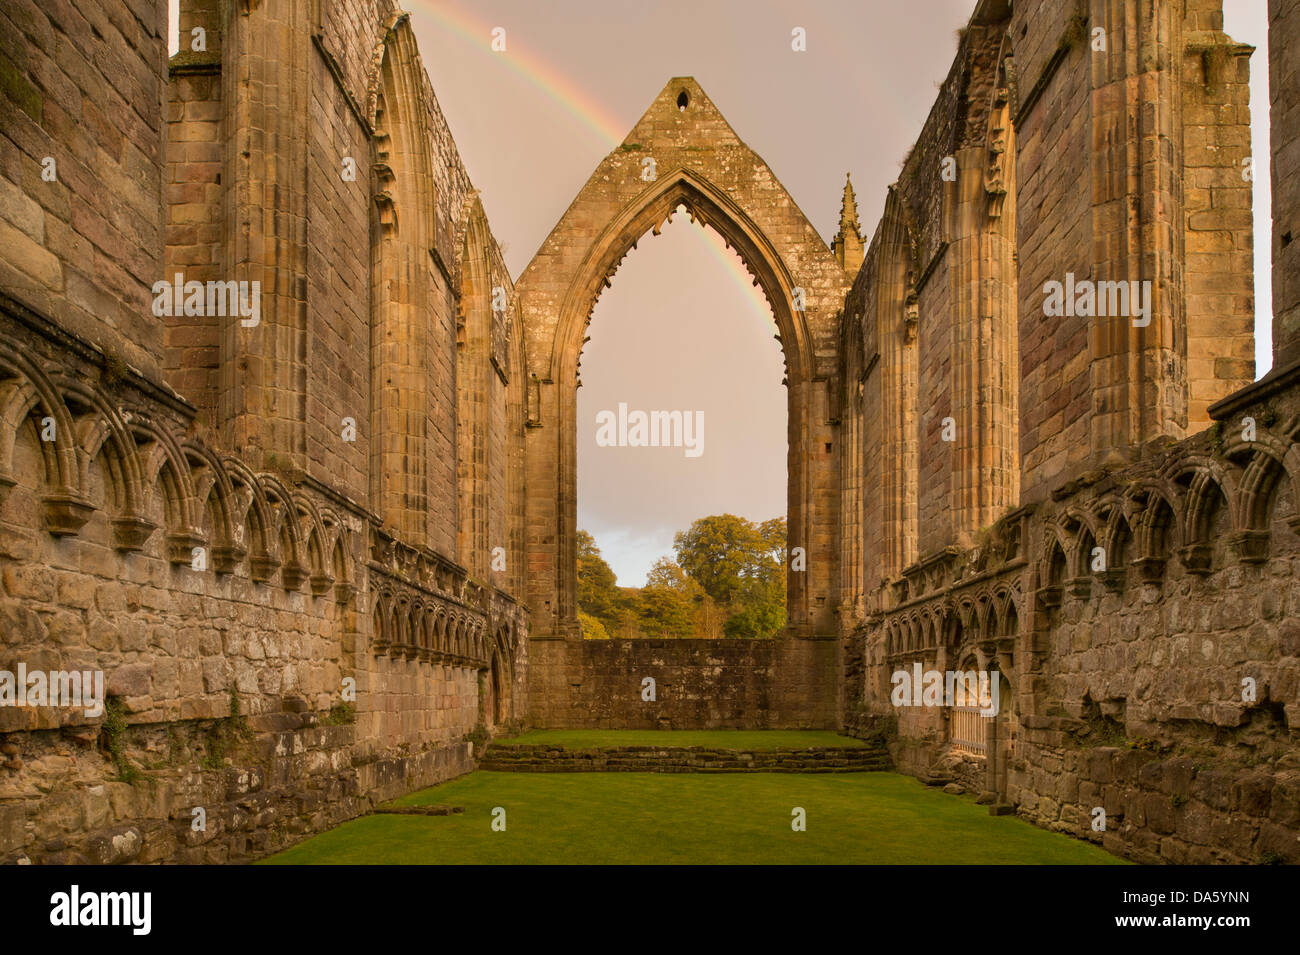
[1284, 89]
[83, 87]
[1161, 687]
[1134, 599]
[699, 684]
[930, 346]
[279, 541]
[201, 618]
[1170, 700]
[1128, 168]
[1219, 242]
[192, 344]
[294, 778]
[209, 512]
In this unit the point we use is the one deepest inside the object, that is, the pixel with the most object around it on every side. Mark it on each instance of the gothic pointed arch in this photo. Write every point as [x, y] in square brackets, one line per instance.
[487, 432]
[682, 153]
[893, 305]
[405, 282]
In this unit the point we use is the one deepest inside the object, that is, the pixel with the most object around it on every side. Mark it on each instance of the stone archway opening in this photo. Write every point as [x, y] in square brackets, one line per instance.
[496, 698]
[682, 417]
[683, 157]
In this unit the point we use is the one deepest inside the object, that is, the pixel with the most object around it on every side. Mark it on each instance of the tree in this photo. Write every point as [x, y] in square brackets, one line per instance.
[625, 621]
[598, 593]
[719, 552]
[667, 573]
[759, 610]
[591, 628]
[773, 533]
[666, 612]
[740, 566]
[758, 620]
[728, 579]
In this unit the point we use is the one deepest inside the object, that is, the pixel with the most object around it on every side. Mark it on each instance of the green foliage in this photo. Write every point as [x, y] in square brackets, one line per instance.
[341, 713]
[115, 371]
[722, 552]
[592, 628]
[1143, 743]
[598, 593]
[1076, 31]
[1216, 437]
[226, 734]
[114, 732]
[740, 565]
[728, 579]
[175, 746]
[773, 534]
[14, 84]
[667, 573]
[1104, 731]
[665, 612]
[761, 615]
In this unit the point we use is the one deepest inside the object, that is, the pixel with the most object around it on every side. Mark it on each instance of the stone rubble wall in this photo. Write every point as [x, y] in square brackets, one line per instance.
[191, 656]
[699, 684]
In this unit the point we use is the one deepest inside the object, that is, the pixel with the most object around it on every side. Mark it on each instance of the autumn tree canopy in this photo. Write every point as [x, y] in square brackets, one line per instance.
[727, 579]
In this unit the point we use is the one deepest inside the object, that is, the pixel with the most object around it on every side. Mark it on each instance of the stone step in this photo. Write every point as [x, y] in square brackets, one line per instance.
[550, 758]
[419, 810]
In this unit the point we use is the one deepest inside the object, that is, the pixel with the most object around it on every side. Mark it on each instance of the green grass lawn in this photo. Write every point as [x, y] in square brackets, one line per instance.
[723, 739]
[641, 818]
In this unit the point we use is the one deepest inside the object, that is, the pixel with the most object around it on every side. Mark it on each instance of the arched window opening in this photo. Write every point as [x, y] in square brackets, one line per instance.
[683, 447]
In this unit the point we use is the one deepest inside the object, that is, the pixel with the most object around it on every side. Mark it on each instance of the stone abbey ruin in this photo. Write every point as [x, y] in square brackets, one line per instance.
[287, 456]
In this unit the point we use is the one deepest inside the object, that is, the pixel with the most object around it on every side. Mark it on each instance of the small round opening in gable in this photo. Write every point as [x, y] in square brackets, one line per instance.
[682, 100]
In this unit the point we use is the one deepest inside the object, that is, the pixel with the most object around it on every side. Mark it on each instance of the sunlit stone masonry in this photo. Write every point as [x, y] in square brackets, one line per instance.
[288, 461]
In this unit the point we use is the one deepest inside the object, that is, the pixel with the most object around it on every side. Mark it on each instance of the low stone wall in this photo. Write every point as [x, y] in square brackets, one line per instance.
[283, 777]
[1160, 806]
[698, 684]
[550, 758]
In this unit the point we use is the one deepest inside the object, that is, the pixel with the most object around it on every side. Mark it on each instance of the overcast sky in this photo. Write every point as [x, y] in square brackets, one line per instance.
[679, 330]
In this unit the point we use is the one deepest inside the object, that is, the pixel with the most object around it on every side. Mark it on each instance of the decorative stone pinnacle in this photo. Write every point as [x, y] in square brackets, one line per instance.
[849, 210]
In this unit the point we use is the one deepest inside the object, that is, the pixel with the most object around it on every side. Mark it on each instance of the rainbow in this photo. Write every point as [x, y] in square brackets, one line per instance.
[586, 109]
[735, 267]
[590, 113]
